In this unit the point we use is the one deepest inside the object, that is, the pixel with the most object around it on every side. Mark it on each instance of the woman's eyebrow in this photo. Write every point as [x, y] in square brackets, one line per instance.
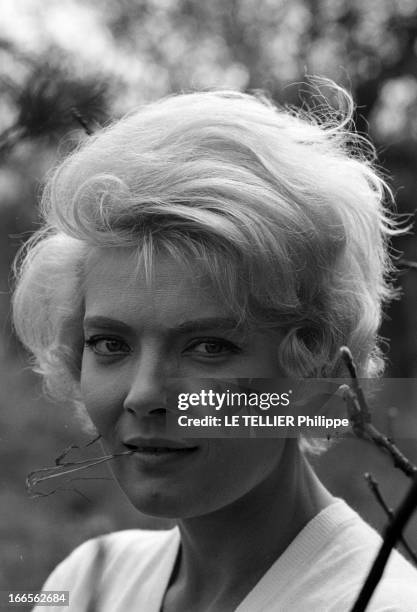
[105, 323]
[221, 323]
[194, 325]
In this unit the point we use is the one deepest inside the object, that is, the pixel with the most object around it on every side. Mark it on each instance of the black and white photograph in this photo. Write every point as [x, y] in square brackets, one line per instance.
[208, 296]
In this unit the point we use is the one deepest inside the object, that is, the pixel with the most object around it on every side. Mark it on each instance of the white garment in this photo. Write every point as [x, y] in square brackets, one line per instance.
[320, 571]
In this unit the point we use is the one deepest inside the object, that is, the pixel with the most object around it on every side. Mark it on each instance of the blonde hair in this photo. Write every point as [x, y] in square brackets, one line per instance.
[285, 212]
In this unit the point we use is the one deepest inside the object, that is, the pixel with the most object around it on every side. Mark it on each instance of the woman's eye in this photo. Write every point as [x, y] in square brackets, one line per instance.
[107, 346]
[212, 347]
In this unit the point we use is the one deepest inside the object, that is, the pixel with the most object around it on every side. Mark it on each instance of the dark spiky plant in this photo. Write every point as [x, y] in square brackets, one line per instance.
[51, 101]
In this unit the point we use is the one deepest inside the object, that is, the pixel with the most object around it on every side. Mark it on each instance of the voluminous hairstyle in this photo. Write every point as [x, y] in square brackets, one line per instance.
[283, 210]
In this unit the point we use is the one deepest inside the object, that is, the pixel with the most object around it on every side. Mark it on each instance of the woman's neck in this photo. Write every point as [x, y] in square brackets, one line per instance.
[225, 553]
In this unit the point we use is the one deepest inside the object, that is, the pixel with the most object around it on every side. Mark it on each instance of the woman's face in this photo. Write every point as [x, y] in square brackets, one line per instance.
[138, 336]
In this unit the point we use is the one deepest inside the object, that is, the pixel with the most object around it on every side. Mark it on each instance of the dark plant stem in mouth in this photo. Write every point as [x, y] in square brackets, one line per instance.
[65, 468]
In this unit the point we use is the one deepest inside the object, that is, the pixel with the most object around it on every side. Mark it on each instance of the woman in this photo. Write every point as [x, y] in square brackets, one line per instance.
[211, 235]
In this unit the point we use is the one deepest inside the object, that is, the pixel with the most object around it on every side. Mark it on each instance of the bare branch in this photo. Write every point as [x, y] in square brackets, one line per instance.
[392, 534]
[360, 418]
[374, 487]
[81, 120]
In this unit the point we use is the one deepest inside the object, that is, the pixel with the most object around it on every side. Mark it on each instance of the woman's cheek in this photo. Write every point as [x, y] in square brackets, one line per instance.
[103, 400]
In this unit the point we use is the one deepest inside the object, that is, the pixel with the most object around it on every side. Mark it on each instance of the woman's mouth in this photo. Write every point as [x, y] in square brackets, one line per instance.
[159, 451]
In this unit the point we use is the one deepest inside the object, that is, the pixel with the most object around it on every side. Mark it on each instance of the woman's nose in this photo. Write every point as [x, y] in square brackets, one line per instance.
[147, 390]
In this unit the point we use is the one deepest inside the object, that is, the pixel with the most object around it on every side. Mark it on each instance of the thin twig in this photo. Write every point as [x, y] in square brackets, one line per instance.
[392, 533]
[81, 120]
[62, 469]
[72, 490]
[68, 449]
[374, 487]
[360, 418]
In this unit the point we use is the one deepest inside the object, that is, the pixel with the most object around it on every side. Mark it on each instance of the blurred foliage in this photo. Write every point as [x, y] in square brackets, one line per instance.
[104, 58]
[46, 102]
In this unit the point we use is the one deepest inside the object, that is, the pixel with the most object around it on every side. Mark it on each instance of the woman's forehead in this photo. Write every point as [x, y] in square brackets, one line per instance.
[116, 286]
[129, 267]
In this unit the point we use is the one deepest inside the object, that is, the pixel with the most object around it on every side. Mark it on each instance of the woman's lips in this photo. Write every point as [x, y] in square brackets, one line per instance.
[138, 443]
[158, 451]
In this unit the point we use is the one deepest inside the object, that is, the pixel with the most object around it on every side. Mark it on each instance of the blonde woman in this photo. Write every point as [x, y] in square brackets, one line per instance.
[212, 235]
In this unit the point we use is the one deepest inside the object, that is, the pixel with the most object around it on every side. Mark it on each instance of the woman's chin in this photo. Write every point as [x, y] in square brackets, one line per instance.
[156, 503]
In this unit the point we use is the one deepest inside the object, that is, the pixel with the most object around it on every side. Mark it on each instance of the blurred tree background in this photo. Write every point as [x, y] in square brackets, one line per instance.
[74, 62]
